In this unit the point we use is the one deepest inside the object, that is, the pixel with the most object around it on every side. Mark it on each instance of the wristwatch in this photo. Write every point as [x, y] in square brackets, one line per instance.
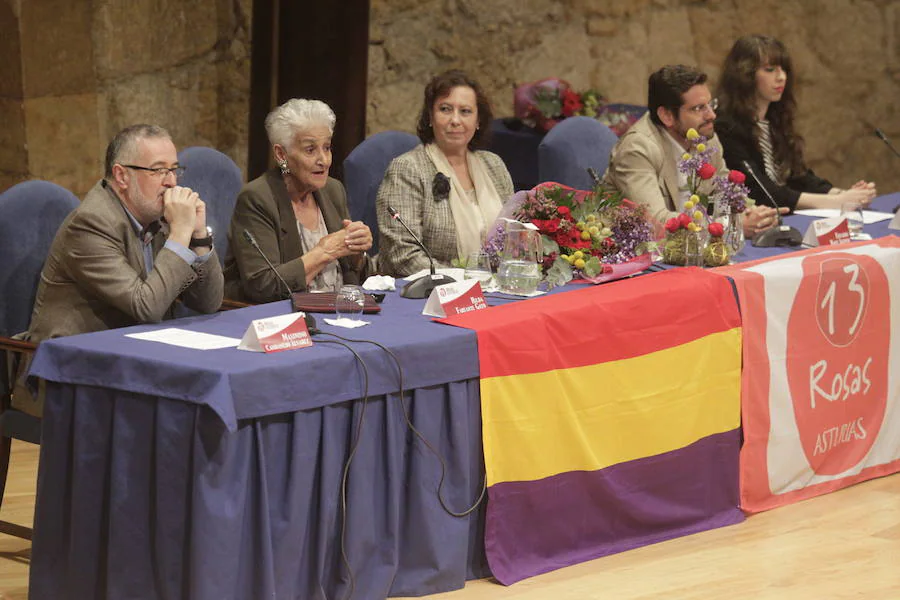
[201, 242]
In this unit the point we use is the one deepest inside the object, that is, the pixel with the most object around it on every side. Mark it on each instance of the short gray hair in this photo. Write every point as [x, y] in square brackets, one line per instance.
[297, 114]
[124, 145]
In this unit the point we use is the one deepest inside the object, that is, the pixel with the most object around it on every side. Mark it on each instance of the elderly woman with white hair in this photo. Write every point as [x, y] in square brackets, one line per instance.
[296, 213]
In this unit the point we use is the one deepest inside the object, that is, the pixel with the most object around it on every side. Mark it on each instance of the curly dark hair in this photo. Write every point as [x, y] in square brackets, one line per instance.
[439, 87]
[737, 96]
[666, 86]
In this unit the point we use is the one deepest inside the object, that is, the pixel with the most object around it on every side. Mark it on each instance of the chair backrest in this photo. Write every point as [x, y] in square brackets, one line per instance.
[30, 214]
[218, 180]
[364, 169]
[571, 147]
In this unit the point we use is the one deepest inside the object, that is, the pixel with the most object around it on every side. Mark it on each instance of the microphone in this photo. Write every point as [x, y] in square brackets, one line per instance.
[884, 138]
[594, 177]
[421, 287]
[310, 320]
[778, 235]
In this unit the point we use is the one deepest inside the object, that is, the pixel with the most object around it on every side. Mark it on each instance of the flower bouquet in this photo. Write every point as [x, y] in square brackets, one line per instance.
[593, 236]
[726, 201]
[544, 103]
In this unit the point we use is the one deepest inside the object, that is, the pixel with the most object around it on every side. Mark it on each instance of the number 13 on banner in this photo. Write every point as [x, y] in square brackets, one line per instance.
[838, 340]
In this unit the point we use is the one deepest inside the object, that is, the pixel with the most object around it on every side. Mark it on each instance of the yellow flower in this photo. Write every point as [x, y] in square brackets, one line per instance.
[566, 258]
[689, 205]
[698, 214]
[686, 156]
[578, 254]
[585, 235]
[692, 134]
[701, 147]
[579, 263]
[695, 199]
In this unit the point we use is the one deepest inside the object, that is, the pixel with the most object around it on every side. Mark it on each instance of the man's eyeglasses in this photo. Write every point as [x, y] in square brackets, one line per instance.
[702, 108]
[160, 172]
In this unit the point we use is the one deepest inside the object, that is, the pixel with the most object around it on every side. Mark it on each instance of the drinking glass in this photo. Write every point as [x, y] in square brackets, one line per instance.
[854, 214]
[478, 266]
[349, 302]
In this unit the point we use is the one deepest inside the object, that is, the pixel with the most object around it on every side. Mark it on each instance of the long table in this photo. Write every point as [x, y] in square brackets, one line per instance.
[175, 473]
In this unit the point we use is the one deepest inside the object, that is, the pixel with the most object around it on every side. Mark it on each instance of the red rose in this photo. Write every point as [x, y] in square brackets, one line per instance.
[684, 220]
[564, 211]
[736, 177]
[716, 229]
[706, 171]
[546, 225]
[571, 103]
[672, 225]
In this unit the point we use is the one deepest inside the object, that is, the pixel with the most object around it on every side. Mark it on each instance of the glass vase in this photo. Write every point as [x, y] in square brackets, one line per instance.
[734, 232]
[693, 249]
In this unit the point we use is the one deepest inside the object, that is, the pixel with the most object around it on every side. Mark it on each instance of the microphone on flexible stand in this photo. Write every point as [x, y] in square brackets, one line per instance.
[777, 235]
[310, 320]
[594, 177]
[421, 287]
[884, 138]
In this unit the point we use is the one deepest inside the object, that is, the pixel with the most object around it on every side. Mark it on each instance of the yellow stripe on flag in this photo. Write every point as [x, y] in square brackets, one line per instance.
[589, 418]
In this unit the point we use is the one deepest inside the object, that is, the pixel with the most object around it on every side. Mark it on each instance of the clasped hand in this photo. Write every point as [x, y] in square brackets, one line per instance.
[354, 238]
[185, 212]
[759, 218]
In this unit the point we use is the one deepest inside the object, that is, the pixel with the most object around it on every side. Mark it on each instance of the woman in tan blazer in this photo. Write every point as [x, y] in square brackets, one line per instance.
[445, 190]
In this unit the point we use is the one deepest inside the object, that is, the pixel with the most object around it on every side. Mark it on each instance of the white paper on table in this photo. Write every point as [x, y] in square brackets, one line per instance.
[345, 322]
[187, 339]
[503, 292]
[869, 216]
[457, 274]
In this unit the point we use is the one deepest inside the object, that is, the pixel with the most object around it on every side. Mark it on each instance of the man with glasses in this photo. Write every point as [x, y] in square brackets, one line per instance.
[644, 163]
[137, 244]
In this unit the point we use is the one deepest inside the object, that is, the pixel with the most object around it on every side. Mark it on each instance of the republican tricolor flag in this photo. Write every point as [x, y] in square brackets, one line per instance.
[610, 417]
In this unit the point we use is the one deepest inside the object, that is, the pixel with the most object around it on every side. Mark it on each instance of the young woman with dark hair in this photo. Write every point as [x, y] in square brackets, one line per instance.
[756, 126]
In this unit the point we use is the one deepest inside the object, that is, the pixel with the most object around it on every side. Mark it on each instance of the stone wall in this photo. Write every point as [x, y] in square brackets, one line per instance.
[75, 72]
[846, 54]
[80, 71]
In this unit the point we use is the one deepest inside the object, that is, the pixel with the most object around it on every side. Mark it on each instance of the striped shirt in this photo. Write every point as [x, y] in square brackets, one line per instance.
[773, 169]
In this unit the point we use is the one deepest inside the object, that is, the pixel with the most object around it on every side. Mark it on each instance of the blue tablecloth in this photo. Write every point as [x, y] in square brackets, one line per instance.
[175, 473]
[885, 203]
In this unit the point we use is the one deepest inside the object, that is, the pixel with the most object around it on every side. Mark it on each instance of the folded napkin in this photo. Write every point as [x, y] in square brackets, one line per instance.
[380, 283]
[347, 323]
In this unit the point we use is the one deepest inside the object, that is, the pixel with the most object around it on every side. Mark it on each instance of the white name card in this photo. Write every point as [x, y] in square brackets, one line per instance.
[455, 299]
[827, 232]
[274, 334]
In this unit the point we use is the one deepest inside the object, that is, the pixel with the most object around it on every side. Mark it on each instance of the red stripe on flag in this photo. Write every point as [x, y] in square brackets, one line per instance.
[603, 323]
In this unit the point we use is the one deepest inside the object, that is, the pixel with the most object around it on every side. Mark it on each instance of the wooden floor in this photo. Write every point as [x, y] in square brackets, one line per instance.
[841, 546]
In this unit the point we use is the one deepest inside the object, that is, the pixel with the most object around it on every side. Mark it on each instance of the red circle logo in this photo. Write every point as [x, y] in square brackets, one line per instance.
[838, 338]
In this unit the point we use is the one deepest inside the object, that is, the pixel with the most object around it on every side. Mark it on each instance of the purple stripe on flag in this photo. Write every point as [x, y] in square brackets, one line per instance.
[538, 526]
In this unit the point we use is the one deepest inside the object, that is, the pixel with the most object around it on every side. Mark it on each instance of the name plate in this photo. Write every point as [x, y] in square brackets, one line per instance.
[274, 334]
[455, 299]
[827, 232]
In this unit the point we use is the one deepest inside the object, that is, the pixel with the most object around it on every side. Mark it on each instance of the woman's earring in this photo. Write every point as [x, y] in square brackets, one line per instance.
[285, 170]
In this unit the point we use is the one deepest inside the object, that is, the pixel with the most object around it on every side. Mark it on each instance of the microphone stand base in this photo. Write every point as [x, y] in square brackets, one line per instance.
[421, 287]
[780, 235]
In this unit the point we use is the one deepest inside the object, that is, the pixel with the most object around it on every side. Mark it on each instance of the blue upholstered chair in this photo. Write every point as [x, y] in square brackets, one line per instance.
[218, 180]
[364, 169]
[30, 214]
[571, 147]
